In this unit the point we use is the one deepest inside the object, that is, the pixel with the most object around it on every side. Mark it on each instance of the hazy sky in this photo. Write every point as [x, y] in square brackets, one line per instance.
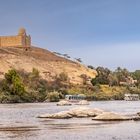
[101, 32]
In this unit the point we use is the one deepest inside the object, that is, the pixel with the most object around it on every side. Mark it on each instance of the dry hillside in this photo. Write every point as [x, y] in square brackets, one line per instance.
[45, 61]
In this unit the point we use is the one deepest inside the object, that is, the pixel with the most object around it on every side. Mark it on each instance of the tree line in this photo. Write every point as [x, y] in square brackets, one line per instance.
[119, 77]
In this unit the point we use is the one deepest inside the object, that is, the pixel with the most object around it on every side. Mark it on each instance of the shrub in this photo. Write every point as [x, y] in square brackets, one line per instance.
[63, 77]
[34, 74]
[53, 96]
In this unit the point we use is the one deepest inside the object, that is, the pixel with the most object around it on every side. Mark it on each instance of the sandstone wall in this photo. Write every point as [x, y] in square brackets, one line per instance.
[11, 41]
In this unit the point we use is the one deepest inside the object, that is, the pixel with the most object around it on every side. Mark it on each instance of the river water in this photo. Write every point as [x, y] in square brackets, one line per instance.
[20, 122]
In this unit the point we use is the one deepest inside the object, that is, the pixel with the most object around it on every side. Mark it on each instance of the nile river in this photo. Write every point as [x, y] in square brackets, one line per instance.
[20, 122]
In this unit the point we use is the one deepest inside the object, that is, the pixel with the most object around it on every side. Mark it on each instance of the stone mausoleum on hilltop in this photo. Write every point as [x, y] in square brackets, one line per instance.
[20, 40]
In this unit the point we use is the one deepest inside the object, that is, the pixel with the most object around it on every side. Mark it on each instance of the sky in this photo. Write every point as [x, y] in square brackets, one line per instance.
[100, 32]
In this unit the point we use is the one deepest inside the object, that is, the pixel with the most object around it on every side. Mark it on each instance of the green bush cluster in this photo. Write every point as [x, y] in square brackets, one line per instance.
[13, 83]
[20, 86]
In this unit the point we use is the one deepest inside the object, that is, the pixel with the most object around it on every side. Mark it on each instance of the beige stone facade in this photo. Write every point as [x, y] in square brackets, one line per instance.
[20, 40]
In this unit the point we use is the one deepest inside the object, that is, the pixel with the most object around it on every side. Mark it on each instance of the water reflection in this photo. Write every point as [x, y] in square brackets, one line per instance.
[17, 132]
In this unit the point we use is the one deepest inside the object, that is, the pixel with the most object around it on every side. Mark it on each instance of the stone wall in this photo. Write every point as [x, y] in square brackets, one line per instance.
[11, 41]
[20, 40]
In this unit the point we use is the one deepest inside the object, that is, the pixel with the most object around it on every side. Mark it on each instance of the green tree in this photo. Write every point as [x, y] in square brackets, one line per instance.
[13, 83]
[122, 74]
[102, 77]
[136, 76]
[113, 80]
[91, 67]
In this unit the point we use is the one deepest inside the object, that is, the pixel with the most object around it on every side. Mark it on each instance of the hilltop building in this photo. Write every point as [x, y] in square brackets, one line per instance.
[20, 40]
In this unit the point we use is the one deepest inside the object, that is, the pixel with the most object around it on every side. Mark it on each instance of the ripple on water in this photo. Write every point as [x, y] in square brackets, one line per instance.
[19, 128]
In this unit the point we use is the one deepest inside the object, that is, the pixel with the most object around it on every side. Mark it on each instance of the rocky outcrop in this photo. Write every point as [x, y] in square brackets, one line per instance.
[76, 112]
[63, 103]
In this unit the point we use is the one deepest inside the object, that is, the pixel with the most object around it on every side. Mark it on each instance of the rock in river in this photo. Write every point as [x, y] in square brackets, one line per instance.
[83, 102]
[64, 103]
[76, 112]
[85, 112]
[59, 115]
[110, 116]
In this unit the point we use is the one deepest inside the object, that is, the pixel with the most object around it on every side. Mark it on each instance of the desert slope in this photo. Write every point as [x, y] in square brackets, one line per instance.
[45, 61]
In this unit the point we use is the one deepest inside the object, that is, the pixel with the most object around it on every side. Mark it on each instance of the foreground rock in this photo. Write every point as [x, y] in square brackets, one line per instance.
[64, 103]
[76, 112]
[110, 116]
[83, 102]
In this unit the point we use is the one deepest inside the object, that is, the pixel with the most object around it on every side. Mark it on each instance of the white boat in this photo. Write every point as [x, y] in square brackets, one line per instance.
[131, 97]
[75, 98]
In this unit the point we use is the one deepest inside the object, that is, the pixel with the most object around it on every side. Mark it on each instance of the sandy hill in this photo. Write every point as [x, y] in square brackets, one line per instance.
[45, 61]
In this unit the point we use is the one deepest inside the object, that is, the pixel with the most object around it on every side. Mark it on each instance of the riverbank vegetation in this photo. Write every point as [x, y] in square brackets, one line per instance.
[20, 86]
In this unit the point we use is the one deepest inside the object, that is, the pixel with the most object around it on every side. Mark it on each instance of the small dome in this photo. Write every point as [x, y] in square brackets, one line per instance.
[21, 31]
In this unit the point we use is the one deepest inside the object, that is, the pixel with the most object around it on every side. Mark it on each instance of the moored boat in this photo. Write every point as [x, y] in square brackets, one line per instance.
[75, 98]
[131, 97]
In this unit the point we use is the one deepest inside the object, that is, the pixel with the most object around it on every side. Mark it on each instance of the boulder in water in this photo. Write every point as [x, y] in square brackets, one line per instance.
[64, 103]
[79, 112]
[83, 102]
[85, 112]
[59, 115]
[110, 116]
